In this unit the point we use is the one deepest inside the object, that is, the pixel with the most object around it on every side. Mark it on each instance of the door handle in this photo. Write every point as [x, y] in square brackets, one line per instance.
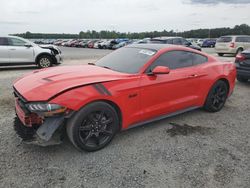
[12, 49]
[192, 76]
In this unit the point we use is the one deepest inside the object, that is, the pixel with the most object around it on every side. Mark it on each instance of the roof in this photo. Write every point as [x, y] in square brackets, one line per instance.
[149, 46]
[165, 38]
[236, 36]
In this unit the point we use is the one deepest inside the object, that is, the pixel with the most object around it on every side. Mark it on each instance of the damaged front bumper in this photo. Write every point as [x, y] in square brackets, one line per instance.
[49, 133]
[36, 129]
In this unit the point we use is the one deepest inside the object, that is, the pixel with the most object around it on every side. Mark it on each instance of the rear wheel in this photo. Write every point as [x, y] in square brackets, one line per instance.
[93, 127]
[242, 79]
[217, 97]
[220, 54]
[239, 51]
[44, 61]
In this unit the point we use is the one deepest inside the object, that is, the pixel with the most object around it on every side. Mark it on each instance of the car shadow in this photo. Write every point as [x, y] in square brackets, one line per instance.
[16, 68]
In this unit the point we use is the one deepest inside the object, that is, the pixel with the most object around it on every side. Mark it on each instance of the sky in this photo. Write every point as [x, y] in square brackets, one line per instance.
[73, 16]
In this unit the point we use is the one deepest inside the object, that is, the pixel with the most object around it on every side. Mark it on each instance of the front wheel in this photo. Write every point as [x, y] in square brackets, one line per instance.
[217, 97]
[93, 127]
[44, 61]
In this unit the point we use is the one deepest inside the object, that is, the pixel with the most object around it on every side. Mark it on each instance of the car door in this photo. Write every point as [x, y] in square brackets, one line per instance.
[167, 93]
[19, 53]
[4, 50]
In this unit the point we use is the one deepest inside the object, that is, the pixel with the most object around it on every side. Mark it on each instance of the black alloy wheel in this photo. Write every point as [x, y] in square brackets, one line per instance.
[217, 97]
[93, 127]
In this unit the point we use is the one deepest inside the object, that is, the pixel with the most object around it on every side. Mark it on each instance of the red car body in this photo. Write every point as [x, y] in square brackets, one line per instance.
[138, 98]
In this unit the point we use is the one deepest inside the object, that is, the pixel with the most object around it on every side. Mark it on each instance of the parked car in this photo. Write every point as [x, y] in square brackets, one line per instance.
[119, 45]
[91, 43]
[200, 42]
[19, 51]
[104, 44]
[143, 41]
[94, 102]
[175, 41]
[82, 44]
[232, 44]
[242, 62]
[112, 43]
[208, 43]
[96, 44]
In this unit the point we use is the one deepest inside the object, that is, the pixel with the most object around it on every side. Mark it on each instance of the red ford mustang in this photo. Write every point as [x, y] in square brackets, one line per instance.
[134, 85]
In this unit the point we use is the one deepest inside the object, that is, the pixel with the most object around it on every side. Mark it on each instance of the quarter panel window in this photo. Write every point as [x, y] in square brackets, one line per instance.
[199, 59]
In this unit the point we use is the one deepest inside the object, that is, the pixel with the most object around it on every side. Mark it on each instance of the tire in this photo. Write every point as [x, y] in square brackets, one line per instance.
[44, 61]
[217, 97]
[220, 54]
[242, 79]
[93, 127]
[239, 51]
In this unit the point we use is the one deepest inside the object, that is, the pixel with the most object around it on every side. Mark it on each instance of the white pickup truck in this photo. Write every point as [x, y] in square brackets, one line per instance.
[19, 51]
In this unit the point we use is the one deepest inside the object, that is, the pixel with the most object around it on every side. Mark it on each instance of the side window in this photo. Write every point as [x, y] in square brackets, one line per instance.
[16, 42]
[199, 59]
[185, 42]
[170, 41]
[3, 41]
[238, 39]
[177, 41]
[174, 60]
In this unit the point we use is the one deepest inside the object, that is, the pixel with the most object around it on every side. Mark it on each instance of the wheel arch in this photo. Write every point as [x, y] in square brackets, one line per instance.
[240, 47]
[211, 86]
[44, 53]
[111, 103]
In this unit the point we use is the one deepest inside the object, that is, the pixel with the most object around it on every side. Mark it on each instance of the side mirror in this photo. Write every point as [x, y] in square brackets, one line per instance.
[27, 45]
[161, 70]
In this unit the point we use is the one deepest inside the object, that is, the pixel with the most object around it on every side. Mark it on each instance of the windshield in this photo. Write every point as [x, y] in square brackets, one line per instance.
[127, 60]
[224, 39]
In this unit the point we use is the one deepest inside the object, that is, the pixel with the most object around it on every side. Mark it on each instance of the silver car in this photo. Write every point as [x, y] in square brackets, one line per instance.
[19, 51]
[232, 44]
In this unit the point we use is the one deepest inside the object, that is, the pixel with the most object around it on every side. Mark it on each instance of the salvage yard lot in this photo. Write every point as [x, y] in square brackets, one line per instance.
[195, 149]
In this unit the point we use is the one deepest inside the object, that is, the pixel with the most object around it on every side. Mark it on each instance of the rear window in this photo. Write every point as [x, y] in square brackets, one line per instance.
[3, 41]
[225, 39]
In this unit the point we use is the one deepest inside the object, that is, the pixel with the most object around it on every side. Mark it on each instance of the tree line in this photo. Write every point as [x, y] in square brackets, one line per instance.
[242, 29]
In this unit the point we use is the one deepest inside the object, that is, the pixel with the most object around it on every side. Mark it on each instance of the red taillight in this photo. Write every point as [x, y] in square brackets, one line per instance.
[240, 57]
[232, 45]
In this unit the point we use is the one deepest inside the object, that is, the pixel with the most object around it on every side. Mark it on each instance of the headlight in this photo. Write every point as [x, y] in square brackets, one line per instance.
[46, 108]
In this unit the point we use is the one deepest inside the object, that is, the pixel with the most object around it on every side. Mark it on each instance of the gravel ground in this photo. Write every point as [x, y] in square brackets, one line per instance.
[195, 149]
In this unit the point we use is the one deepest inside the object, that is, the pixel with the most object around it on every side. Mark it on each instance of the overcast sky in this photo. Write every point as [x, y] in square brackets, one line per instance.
[72, 16]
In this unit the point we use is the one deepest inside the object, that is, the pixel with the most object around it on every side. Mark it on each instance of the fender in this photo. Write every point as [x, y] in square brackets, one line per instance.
[45, 53]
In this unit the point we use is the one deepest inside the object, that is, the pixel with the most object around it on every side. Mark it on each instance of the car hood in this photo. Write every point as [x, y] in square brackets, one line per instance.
[43, 84]
[51, 47]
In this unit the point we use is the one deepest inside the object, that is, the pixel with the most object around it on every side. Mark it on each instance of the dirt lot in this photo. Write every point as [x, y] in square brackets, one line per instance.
[196, 149]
